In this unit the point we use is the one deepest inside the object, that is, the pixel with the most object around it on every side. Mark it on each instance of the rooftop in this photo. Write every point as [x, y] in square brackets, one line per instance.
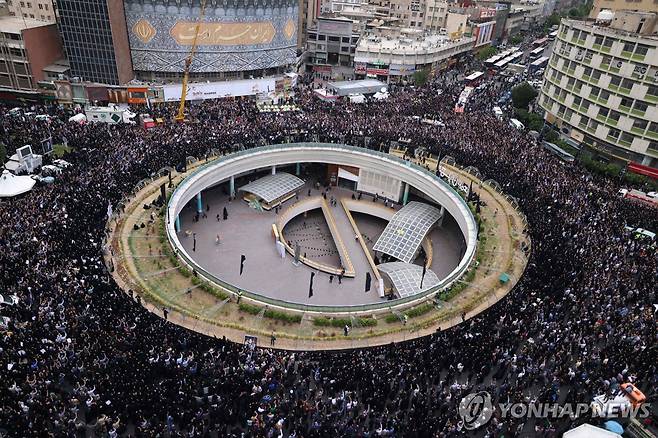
[346, 85]
[406, 277]
[416, 43]
[403, 235]
[15, 25]
[272, 187]
[592, 23]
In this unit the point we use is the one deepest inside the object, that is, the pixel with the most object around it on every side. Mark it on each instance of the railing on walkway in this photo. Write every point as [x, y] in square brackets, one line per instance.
[378, 307]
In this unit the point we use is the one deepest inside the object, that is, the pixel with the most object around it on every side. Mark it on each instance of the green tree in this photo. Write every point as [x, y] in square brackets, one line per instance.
[535, 122]
[522, 95]
[515, 39]
[486, 53]
[552, 136]
[553, 20]
[522, 115]
[3, 153]
[420, 77]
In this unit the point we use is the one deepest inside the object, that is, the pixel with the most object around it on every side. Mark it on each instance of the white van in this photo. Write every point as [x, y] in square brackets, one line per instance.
[516, 124]
[498, 112]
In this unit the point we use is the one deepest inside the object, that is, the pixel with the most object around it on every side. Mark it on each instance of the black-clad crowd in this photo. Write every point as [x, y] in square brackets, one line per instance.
[78, 355]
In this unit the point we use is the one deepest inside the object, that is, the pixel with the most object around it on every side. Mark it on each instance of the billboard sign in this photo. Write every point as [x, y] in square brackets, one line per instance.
[232, 37]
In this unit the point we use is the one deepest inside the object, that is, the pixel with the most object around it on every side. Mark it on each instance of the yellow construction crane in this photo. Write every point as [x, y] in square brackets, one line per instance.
[180, 117]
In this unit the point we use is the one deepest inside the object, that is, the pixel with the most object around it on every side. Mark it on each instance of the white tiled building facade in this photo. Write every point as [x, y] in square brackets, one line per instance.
[601, 88]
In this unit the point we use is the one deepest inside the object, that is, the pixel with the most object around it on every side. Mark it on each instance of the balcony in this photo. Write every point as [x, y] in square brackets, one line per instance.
[626, 54]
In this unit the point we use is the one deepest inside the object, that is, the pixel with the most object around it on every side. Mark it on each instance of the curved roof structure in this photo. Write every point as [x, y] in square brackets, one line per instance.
[405, 232]
[406, 277]
[421, 179]
[272, 187]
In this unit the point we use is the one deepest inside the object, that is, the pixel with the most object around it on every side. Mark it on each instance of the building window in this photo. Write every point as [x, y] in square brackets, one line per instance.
[641, 49]
[652, 91]
[588, 56]
[626, 138]
[626, 102]
[640, 106]
[640, 124]
[613, 134]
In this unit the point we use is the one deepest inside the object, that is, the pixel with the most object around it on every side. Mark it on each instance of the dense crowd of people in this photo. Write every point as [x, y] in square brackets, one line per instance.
[78, 353]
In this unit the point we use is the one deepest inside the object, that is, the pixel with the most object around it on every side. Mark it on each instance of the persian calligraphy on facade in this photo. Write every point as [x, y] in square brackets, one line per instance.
[223, 34]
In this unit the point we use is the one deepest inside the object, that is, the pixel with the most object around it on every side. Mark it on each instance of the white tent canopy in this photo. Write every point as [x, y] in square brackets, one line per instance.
[12, 185]
[589, 431]
[79, 118]
[357, 98]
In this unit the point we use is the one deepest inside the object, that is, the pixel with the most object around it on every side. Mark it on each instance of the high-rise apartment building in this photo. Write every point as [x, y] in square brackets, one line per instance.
[601, 85]
[96, 40]
[620, 5]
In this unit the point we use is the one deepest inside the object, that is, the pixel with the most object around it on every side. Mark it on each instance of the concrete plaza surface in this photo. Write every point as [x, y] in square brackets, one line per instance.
[249, 232]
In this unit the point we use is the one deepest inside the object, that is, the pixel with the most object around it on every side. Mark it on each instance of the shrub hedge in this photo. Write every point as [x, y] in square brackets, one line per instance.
[272, 314]
[323, 321]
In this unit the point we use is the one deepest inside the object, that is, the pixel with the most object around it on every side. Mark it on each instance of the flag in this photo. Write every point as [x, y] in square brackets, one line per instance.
[310, 286]
[281, 248]
[242, 259]
[423, 276]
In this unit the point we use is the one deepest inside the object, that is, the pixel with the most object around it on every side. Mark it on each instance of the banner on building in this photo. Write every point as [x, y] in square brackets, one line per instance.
[63, 91]
[216, 90]
[401, 70]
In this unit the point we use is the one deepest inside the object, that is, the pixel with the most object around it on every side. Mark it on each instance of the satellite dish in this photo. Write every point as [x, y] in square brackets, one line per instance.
[383, 90]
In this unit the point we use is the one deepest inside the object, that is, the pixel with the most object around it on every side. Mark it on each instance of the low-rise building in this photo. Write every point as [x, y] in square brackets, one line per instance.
[391, 58]
[27, 47]
[331, 44]
[523, 17]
